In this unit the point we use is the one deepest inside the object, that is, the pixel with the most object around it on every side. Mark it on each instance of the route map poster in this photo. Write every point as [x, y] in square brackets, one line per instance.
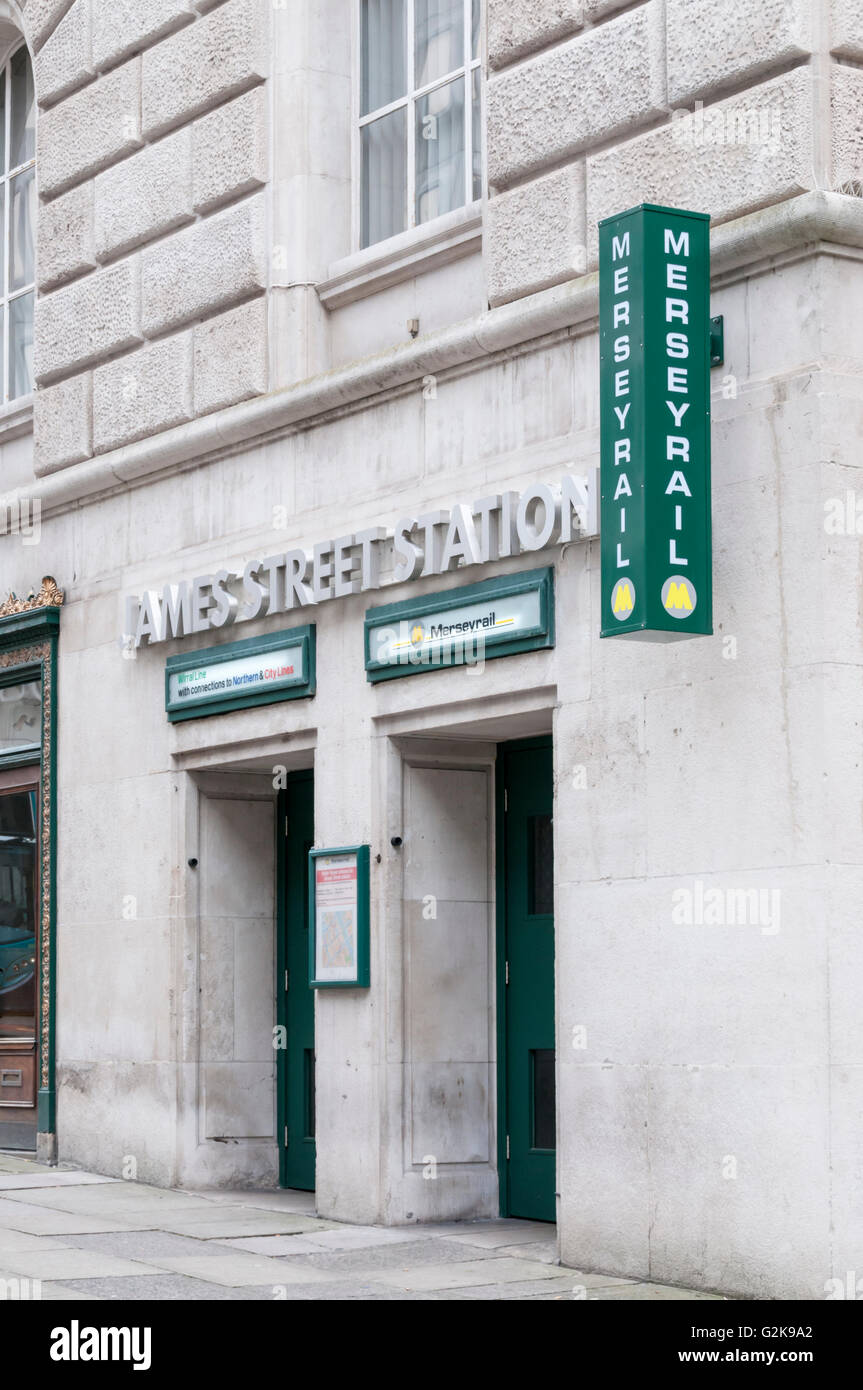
[339, 904]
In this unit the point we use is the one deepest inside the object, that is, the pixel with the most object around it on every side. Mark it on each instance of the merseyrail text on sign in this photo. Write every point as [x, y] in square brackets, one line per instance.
[654, 333]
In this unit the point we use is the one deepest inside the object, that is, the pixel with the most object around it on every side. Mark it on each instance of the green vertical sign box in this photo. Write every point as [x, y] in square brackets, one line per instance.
[654, 346]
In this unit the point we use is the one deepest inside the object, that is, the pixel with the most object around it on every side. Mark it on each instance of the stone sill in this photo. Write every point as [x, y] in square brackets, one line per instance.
[16, 418]
[402, 257]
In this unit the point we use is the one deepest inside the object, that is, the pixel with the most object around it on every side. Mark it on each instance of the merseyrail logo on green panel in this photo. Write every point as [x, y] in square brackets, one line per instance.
[654, 343]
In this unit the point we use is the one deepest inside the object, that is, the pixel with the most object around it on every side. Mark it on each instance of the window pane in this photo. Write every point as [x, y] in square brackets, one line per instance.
[474, 26]
[540, 858]
[439, 37]
[3, 122]
[310, 1092]
[3, 289]
[384, 157]
[476, 137]
[23, 142]
[544, 1136]
[20, 722]
[440, 151]
[384, 49]
[17, 925]
[22, 216]
[20, 345]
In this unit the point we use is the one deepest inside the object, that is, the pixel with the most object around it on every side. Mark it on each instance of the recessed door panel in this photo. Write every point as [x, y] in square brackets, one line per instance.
[528, 1007]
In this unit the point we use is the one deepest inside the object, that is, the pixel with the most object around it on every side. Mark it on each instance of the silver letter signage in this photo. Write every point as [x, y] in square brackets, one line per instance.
[433, 542]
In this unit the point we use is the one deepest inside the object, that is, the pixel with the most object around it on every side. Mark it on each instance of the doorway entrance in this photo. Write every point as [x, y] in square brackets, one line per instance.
[526, 1042]
[19, 953]
[296, 1011]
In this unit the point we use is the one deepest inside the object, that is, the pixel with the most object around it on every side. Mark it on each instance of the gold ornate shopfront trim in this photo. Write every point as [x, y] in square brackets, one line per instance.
[49, 596]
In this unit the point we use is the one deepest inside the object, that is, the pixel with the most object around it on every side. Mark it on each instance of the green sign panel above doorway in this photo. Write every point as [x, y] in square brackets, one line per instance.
[654, 343]
[258, 671]
[462, 627]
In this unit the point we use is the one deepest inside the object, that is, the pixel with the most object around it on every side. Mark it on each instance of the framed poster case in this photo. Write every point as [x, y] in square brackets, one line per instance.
[339, 918]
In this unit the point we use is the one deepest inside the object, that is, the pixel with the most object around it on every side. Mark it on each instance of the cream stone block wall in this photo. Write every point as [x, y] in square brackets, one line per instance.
[65, 237]
[536, 234]
[119, 30]
[91, 319]
[90, 130]
[63, 423]
[521, 26]
[705, 108]
[709, 49]
[144, 196]
[41, 17]
[126, 392]
[586, 90]
[66, 60]
[153, 117]
[192, 71]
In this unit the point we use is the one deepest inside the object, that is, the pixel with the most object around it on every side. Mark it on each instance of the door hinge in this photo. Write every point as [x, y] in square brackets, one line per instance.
[505, 799]
[507, 972]
[287, 979]
[286, 827]
[507, 1146]
[286, 1136]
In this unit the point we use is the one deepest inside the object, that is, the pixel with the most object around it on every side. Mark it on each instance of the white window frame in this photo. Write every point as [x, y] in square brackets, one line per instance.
[8, 298]
[408, 102]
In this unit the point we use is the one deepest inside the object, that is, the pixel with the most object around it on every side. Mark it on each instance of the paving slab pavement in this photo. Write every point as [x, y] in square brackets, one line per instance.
[84, 1236]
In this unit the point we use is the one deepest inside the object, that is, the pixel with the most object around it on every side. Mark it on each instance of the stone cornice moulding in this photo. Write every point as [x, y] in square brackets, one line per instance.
[809, 219]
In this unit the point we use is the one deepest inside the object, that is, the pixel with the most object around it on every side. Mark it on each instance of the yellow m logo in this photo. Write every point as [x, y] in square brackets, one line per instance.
[678, 597]
[623, 600]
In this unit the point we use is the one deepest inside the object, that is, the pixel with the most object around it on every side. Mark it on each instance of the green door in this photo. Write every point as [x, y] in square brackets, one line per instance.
[296, 1060]
[527, 1025]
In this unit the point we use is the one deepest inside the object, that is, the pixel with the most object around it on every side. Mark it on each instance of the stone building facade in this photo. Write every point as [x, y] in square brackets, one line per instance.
[228, 364]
